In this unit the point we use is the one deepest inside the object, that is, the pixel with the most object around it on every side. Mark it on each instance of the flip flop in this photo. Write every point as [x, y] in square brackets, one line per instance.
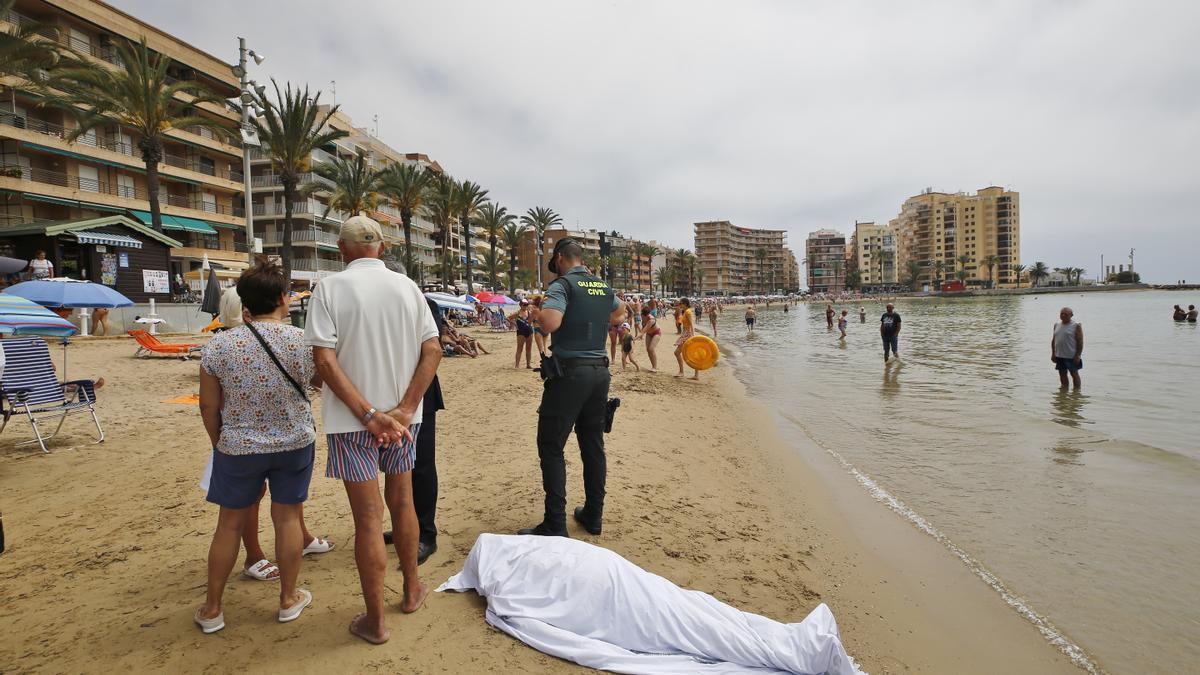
[318, 545]
[209, 626]
[261, 571]
[292, 613]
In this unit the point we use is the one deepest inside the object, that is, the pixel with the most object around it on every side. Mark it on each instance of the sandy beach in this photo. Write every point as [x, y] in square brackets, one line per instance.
[107, 543]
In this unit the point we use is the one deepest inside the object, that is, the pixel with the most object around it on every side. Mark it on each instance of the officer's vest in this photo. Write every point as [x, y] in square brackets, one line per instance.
[585, 321]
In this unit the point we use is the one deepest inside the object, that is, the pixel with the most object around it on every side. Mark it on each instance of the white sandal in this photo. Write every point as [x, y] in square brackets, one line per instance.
[261, 571]
[318, 545]
[292, 613]
[209, 626]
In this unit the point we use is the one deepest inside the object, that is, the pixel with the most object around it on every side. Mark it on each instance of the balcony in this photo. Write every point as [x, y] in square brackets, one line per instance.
[48, 128]
[310, 207]
[47, 177]
[271, 180]
[318, 265]
[215, 244]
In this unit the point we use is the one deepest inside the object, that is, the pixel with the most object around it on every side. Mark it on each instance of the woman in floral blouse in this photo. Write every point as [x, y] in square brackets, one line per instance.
[255, 407]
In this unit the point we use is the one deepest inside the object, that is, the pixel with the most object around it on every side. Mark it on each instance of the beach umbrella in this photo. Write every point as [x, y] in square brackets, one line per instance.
[212, 295]
[484, 296]
[499, 299]
[446, 301]
[62, 292]
[469, 299]
[19, 316]
[11, 265]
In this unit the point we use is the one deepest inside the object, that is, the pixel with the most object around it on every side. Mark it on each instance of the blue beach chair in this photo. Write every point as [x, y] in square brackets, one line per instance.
[30, 387]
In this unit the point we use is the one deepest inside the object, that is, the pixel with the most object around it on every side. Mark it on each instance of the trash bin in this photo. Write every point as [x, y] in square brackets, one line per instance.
[297, 318]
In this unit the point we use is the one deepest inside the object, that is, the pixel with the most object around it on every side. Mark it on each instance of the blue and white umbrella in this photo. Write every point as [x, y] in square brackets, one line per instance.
[447, 301]
[63, 292]
[19, 316]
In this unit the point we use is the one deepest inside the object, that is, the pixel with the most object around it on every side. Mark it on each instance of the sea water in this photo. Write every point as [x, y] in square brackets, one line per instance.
[1082, 508]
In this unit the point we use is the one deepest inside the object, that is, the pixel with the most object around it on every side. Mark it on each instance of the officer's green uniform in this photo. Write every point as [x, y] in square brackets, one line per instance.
[577, 399]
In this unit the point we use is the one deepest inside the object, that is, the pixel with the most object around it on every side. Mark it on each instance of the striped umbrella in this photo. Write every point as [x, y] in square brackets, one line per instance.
[19, 316]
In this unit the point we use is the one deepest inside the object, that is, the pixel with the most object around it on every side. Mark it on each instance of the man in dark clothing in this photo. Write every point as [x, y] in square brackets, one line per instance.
[889, 328]
[424, 474]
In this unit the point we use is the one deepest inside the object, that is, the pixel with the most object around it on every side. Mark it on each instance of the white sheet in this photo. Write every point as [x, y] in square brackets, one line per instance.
[589, 605]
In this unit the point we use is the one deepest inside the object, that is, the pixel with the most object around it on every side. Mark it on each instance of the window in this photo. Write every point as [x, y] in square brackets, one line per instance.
[125, 187]
[89, 178]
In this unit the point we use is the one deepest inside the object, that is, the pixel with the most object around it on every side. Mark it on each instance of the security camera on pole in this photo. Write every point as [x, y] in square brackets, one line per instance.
[249, 135]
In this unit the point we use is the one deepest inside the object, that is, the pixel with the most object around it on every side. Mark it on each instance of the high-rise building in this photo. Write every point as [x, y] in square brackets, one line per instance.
[101, 176]
[873, 253]
[825, 254]
[740, 260]
[589, 241]
[791, 272]
[962, 232]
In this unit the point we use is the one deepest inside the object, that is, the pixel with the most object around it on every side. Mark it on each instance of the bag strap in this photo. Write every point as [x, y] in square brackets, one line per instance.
[275, 360]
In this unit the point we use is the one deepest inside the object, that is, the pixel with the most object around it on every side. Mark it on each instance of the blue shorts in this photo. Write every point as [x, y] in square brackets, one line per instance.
[892, 341]
[1067, 364]
[237, 480]
[356, 457]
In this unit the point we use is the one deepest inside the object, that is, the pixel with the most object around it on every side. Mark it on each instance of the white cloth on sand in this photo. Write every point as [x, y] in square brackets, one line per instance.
[586, 604]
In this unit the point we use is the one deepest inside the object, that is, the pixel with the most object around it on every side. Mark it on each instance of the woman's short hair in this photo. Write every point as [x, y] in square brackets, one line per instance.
[261, 286]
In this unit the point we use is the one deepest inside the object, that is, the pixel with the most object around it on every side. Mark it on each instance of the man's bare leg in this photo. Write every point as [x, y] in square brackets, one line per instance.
[1075, 379]
[370, 556]
[1062, 378]
[397, 489]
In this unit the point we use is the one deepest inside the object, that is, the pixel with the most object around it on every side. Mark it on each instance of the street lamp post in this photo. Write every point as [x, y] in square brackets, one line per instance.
[249, 137]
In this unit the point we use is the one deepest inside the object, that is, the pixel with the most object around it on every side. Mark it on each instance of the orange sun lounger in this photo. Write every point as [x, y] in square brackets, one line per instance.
[149, 344]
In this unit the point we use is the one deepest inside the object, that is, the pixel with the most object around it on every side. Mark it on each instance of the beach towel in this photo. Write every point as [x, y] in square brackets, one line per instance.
[586, 604]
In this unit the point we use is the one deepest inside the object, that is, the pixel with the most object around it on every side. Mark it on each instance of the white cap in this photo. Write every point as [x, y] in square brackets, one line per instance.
[360, 230]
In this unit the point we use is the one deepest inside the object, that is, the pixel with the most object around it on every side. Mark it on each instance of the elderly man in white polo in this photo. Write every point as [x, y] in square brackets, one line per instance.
[376, 346]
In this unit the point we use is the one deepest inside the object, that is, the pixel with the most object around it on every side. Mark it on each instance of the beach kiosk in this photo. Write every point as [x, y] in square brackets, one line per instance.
[114, 250]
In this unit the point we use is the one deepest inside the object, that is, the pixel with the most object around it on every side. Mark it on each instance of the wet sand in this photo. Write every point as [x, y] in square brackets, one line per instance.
[107, 543]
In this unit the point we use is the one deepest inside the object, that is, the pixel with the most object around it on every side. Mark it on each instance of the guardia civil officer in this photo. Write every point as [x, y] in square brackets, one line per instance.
[577, 312]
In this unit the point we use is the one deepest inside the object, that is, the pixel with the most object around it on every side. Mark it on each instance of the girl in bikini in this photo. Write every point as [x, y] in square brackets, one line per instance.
[652, 333]
[687, 321]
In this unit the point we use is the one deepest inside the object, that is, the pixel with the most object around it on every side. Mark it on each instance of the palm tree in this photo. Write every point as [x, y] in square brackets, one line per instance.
[493, 218]
[624, 261]
[512, 234]
[760, 254]
[990, 263]
[963, 261]
[939, 266]
[1018, 270]
[663, 278]
[405, 185]
[140, 96]
[1038, 272]
[690, 266]
[439, 208]
[649, 251]
[838, 263]
[355, 185]
[914, 273]
[493, 260]
[962, 274]
[540, 219]
[28, 59]
[526, 278]
[468, 199]
[290, 128]
[594, 263]
[811, 261]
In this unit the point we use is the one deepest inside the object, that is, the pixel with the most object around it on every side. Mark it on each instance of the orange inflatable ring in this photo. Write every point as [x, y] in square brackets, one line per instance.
[700, 352]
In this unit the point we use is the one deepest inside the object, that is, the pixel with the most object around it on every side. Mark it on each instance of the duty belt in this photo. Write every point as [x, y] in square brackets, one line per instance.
[570, 363]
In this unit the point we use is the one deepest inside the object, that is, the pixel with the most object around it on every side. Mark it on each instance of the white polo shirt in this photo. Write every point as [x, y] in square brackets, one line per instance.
[376, 320]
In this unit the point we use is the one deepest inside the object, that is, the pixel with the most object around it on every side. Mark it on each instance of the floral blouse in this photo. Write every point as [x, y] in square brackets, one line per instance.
[262, 412]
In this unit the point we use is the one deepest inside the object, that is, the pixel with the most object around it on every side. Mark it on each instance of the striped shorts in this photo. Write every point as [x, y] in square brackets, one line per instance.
[355, 456]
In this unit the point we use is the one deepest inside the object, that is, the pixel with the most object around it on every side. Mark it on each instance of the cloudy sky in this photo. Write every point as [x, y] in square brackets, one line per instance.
[645, 116]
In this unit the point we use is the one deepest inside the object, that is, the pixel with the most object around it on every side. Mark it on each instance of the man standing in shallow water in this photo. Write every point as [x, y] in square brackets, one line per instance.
[1066, 347]
[889, 329]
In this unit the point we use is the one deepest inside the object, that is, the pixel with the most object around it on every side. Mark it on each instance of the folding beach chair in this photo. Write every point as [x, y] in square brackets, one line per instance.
[499, 322]
[149, 344]
[30, 387]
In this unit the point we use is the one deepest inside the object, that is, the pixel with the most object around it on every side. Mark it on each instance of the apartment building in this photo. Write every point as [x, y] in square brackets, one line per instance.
[825, 254]
[740, 260]
[628, 268]
[873, 255]
[960, 231]
[527, 258]
[44, 179]
[791, 272]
